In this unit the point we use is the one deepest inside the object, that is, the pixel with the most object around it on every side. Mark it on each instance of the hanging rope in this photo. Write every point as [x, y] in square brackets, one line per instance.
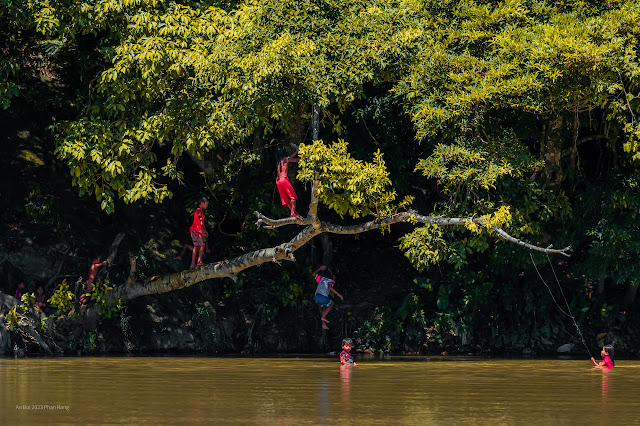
[569, 314]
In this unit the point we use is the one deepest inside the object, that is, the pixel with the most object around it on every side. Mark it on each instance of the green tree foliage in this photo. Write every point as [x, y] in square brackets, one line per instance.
[62, 298]
[28, 300]
[103, 296]
[520, 110]
[534, 57]
[201, 80]
[347, 185]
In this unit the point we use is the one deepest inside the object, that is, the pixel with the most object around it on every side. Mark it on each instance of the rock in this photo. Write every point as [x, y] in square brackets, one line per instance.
[37, 264]
[5, 338]
[7, 302]
[153, 316]
[34, 334]
[172, 339]
[566, 348]
[18, 352]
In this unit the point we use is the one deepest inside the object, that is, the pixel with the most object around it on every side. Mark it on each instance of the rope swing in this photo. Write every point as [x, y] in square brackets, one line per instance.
[569, 314]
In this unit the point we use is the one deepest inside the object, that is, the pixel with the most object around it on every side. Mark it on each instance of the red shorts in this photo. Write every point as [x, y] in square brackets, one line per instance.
[286, 190]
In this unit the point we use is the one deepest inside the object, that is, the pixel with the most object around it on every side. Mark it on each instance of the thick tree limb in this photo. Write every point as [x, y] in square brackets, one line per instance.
[114, 248]
[312, 227]
[567, 152]
[222, 269]
[285, 251]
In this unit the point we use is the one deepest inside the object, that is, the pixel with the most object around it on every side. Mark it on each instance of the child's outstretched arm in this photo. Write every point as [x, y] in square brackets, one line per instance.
[598, 365]
[337, 294]
[290, 158]
[322, 268]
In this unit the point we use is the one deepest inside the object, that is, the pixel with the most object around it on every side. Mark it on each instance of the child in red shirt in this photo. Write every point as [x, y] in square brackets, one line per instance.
[345, 356]
[607, 354]
[198, 232]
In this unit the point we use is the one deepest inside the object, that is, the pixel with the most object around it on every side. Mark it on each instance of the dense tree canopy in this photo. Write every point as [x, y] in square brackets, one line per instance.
[517, 114]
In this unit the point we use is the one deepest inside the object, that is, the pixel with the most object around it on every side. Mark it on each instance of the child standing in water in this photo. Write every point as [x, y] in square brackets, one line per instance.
[345, 356]
[198, 232]
[326, 281]
[287, 194]
[607, 354]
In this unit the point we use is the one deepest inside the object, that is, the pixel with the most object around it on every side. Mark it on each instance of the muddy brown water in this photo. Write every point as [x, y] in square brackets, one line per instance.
[287, 391]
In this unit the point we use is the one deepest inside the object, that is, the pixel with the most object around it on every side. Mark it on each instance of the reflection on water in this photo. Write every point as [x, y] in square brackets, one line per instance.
[429, 390]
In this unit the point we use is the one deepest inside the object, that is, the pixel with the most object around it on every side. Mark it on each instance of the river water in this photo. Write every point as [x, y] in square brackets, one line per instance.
[287, 391]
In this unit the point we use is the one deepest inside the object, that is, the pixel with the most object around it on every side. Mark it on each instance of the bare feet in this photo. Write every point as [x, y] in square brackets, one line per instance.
[296, 215]
[325, 326]
[325, 320]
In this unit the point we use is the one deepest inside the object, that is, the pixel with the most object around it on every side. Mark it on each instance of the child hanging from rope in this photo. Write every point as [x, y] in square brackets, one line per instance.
[287, 194]
[326, 281]
[198, 232]
[607, 354]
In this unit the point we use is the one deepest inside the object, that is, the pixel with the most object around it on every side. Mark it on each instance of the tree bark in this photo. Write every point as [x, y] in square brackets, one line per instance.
[315, 123]
[295, 133]
[553, 173]
[327, 250]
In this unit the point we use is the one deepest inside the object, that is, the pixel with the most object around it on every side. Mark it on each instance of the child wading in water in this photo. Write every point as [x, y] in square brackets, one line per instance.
[607, 354]
[326, 281]
[345, 356]
[198, 232]
[287, 194]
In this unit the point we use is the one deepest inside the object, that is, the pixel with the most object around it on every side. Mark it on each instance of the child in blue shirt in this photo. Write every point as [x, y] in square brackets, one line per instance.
[326, 281]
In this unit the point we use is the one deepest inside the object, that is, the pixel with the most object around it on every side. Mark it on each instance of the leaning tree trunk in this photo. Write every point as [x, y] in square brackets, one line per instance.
[312, 226]
[553, 173]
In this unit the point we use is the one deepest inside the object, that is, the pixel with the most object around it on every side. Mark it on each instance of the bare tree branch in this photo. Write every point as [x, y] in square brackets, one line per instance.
[229, 268]
[313, 226]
